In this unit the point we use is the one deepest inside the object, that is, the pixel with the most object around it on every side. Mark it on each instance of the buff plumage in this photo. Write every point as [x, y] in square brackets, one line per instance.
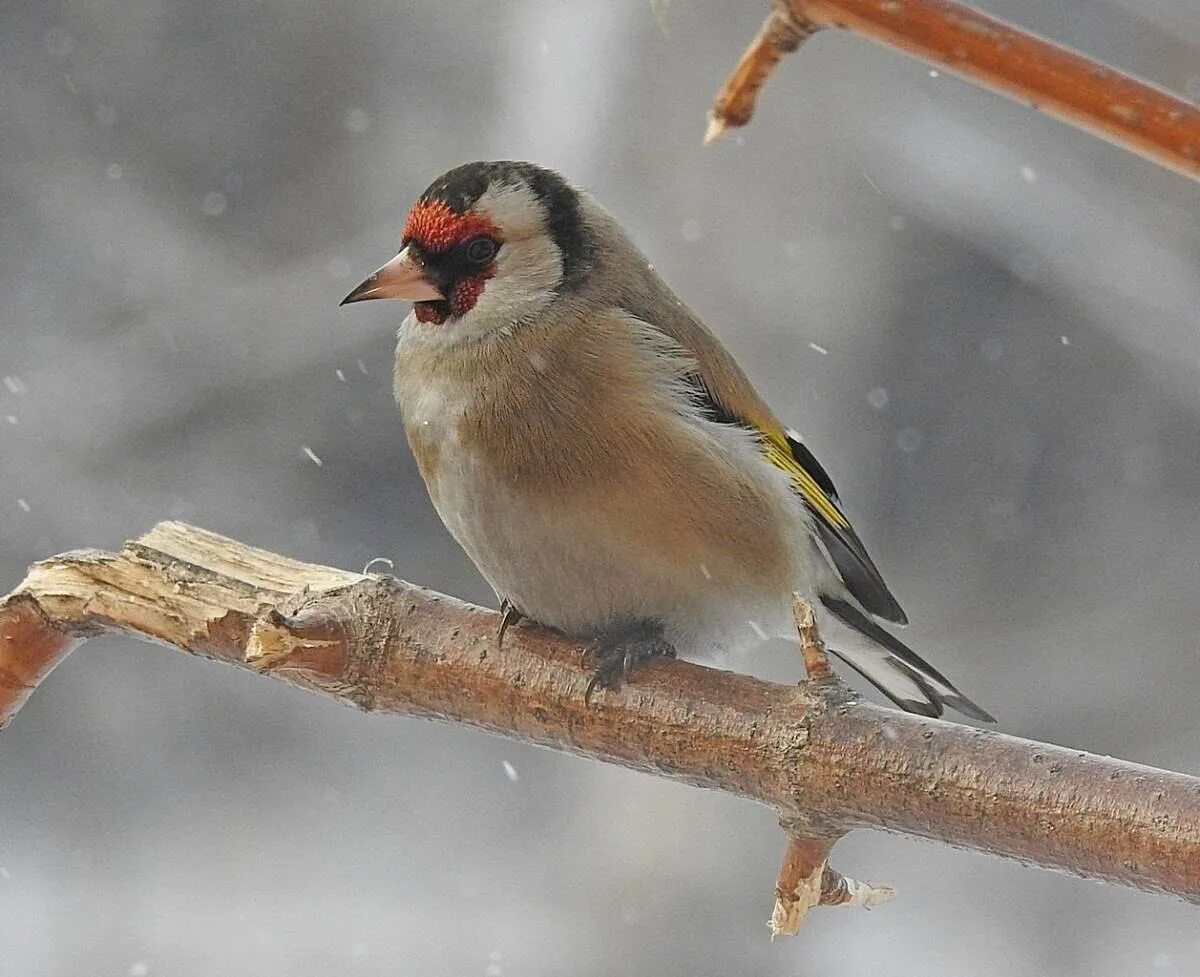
[600, 455]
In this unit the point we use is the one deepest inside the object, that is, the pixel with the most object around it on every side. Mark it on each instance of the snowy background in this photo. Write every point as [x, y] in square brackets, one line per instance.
[984, 323]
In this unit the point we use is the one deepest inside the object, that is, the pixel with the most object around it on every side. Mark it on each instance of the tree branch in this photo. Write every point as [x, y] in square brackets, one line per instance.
[824, 761]
[1081, 92]
[806, 880]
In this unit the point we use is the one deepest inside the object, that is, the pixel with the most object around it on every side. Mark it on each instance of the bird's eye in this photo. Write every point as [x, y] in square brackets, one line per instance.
[481, 250]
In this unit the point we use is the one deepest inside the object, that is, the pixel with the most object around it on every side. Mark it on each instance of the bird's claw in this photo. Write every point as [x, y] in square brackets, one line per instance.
[615, 654]
[509, 614]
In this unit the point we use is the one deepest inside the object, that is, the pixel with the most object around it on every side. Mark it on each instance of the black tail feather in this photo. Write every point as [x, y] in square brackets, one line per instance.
[903, 668]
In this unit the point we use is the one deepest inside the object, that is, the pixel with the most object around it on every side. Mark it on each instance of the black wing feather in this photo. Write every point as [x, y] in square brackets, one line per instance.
[807, 460]
[841, 542]
[856, 568]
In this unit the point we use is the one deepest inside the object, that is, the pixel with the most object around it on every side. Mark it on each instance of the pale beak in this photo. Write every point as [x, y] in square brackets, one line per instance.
[401, 278]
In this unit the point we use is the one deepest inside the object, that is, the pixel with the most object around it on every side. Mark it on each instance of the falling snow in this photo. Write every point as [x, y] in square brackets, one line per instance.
[214, 204]
[938, 176]
[991, 349]
[908, 440]
[357, 120]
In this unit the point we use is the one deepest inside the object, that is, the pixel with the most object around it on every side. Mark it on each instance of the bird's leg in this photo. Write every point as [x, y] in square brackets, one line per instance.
[509, 614]
[615, 653]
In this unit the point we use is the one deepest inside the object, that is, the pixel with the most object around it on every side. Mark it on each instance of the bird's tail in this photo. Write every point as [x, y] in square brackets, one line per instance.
[896, 670]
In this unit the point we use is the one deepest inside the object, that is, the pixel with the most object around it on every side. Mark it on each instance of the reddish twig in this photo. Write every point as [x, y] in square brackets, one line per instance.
[780, 34]
[1084, 93]
[805, 877]
[812, 648]
[30, 647]
[806, 880]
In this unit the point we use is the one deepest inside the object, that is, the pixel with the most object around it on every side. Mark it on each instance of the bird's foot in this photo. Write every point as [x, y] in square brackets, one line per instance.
[615, 654]
[509, 614]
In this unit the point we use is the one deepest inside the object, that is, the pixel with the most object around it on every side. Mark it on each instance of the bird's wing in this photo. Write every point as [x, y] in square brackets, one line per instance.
[724, 394]
[785, 450]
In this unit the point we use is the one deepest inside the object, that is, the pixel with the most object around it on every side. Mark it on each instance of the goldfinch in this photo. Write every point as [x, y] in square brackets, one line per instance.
[598, 453]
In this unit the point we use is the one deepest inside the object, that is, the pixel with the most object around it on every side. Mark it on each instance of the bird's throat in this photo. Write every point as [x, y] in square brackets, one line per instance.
[435, 311]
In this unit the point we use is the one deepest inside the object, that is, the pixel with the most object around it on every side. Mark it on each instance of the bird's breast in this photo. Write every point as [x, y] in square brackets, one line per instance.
[585, 496]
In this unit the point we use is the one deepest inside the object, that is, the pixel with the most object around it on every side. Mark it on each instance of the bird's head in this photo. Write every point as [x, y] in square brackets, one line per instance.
[487, 245]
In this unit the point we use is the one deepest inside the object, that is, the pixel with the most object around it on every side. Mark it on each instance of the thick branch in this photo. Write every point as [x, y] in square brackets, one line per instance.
[816, 756]
[988, 52]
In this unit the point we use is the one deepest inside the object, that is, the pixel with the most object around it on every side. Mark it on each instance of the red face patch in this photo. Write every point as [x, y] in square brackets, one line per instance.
[434, 312]
[467, 291]
[462, 299]
[435, 227]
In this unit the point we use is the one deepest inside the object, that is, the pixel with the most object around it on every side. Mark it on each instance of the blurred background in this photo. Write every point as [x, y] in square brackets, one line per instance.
[982, 321]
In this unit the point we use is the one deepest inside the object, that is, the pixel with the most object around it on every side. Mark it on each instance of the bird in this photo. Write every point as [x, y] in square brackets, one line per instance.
[599, 454]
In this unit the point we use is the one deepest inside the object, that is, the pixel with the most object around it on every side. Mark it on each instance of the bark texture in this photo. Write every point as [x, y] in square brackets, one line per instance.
[825, 761]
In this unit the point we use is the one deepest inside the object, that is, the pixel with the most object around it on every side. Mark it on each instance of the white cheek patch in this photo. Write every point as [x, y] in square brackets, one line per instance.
[515, 209]
[527, 272]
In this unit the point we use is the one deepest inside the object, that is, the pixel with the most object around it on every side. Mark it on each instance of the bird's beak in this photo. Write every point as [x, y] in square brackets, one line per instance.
[401, 278]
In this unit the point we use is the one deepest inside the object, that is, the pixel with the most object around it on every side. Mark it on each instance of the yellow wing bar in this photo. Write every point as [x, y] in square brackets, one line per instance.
[779, 454]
